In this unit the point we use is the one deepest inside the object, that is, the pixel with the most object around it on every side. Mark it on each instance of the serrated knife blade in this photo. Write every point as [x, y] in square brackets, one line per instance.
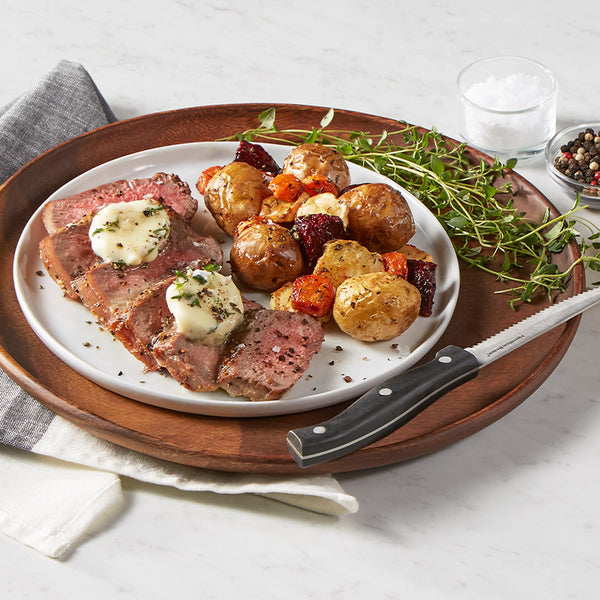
[388, 406]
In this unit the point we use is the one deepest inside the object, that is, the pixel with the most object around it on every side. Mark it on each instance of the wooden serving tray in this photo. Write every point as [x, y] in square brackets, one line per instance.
[258, 444]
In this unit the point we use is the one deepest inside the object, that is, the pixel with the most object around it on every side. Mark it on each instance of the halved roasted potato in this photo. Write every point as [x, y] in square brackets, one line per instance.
[376, 306]
[342, 259]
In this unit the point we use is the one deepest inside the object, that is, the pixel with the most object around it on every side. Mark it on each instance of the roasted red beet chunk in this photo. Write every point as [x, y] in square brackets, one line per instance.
[256, 156]
[421, 274]
[313, 231]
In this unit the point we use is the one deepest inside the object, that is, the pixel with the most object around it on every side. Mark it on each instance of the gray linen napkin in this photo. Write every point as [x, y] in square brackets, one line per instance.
[63, 105]
[44, 455]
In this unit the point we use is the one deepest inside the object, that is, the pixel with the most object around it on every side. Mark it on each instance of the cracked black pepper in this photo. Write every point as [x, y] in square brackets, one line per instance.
[579, 160]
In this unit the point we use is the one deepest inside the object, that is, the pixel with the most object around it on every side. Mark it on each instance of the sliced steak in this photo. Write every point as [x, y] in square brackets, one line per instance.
[169, 189]
[143, 320]
[263, 357]
[194, 366]
[68, 253]
[268, 353]
[261, 360]
[106, 290]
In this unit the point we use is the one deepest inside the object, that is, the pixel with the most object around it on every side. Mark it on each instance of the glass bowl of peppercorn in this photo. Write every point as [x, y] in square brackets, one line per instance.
[573, 161]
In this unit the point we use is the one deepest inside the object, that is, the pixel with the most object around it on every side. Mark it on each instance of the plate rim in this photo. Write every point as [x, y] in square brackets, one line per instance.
[231, 408]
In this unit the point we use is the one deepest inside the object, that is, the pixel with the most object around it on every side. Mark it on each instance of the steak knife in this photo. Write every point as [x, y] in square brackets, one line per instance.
[397, 400]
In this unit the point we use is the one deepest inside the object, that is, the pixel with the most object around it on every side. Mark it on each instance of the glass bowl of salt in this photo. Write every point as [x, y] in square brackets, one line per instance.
[507, 106]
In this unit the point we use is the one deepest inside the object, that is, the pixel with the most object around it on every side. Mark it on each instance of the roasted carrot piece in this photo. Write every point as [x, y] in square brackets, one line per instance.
[318, 184]
[395, 263]
[205, 177]
[312, 295]
[286, 187]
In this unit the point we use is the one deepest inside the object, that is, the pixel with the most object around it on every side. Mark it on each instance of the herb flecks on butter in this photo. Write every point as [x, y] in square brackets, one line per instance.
[207, 306]
[130, 233]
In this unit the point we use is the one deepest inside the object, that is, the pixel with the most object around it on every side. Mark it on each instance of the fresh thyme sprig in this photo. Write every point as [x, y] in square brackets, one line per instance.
[468, 198]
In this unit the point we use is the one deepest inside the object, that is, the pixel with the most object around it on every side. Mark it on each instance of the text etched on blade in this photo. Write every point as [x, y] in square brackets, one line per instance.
[506, 344]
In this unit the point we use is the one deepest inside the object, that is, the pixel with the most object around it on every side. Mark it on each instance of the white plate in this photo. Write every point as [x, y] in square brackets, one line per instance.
[334, 375]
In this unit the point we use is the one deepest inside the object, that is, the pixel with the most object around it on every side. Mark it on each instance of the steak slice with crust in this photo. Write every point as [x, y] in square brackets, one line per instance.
[142, 320]
[147, 319]
[68, 253]
[194, 366]
[268, 352]
[105, 290]
[169, 189]
[264, 356]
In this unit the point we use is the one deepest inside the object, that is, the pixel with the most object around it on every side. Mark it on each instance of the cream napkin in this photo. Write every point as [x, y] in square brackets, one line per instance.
[43, 455]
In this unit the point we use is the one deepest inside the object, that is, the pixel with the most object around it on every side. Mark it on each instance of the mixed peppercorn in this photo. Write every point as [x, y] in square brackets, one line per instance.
[579, 159]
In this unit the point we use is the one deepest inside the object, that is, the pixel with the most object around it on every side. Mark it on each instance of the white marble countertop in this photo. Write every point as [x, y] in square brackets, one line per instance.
[511, 512]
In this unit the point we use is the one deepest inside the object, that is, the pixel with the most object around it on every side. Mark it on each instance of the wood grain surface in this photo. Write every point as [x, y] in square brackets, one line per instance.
[258, 444]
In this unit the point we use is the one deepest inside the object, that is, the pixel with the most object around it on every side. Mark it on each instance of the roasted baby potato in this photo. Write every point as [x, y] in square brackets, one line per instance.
[265, 255]
[235, 194]
[378, 217]
[281, 298]
[325, 203]
[413, 253]
[282, 211]
[315, 159]
[376, 306]
[342, 259]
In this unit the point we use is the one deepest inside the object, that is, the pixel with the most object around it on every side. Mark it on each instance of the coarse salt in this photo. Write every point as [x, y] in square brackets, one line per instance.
[514, 92]
[508, 114]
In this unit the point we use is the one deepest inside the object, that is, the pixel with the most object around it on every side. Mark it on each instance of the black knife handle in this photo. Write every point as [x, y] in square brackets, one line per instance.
[382, 409]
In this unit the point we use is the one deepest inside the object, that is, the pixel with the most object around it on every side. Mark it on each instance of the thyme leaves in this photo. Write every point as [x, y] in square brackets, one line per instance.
[472, 200]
